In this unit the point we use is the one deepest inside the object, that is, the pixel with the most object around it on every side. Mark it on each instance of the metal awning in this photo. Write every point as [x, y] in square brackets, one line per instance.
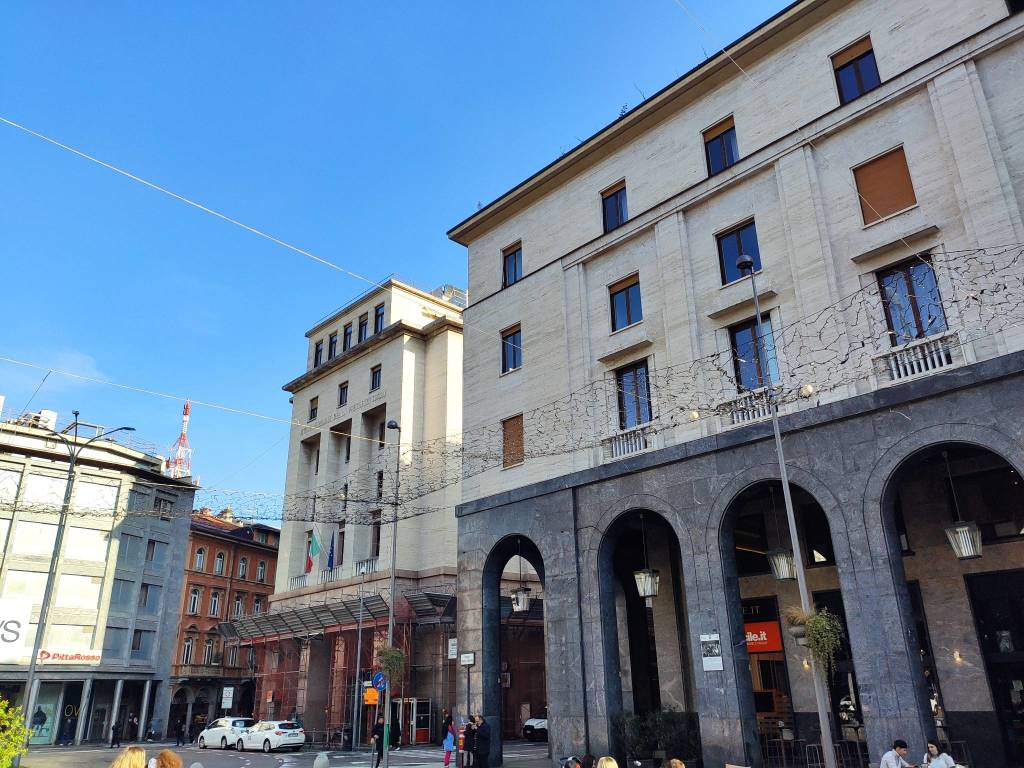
[307, 620]
[432, 607]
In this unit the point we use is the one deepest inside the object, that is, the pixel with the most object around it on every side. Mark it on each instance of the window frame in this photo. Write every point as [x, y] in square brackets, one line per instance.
[736, 230]
[363, 328]
[751, 324]
[620, 394]
[261, 572]
[346, 337]
[511, 351]
[378, 318]
[904, 267]
[716, 133]
[318, 353]
[513, 251]
[199, 559]
[218, 564]
[853, 61]
[376, 522]
[375, 377]
[314, 407]
[243, 567]
[622, 205]
[343, 394]
[505, 453]
[861, 199]
[195, 599]
[214, 610]
[187, 649]
[332, 346]
[624, 285]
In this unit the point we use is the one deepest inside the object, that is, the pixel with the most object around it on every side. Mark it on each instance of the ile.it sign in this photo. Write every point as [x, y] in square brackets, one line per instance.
[763, 636]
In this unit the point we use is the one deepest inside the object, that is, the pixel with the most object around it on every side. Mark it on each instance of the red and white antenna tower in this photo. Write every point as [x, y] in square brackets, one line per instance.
[181, 464]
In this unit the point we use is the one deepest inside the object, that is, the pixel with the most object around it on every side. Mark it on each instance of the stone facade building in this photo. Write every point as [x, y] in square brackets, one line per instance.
[393, 354]
[869, 158]
[230, 567]
[110, 632]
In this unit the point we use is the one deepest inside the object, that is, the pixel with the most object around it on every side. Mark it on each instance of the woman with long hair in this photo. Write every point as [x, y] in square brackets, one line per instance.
[130, 757]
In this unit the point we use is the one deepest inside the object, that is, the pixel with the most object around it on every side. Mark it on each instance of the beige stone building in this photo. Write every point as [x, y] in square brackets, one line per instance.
[395, 353]
[869, 157]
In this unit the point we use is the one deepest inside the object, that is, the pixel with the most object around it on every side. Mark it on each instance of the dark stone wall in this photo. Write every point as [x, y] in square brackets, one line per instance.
[842, 453]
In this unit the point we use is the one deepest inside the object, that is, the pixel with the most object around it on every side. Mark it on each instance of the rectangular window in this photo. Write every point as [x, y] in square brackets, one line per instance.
[344, 498]
[340, 554]
[233, 655]
[342, 394]
[163, 507]
[346, 337]
[378, 318]
[512, 265]
[149, 599]
[720, 148]
[121, 594]
[884, 186]
[754, 363]
[731, 244]
[78, 591]
[257, 606]
[156, 552]
[86, 544]
[625, 301]
[380, 436]
[36, 538]
[332, 346]
[380, 485]
[613, 207]
[114, 640]
[348, 448]
[856, 72]
[316, 462]
[375, 517]
[634, 395]
[375, 378]
[364, 325]
[314, 403]
[318, 354]
[28, 585]
[130, 550]
[910, 295]
[511, 349]
[512, 448]
[142, 644]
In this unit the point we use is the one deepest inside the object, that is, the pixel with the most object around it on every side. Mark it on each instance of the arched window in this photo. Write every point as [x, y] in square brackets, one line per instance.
[218, 564]
[208, 652]
[261, 571]
[200, 561]
[257, 606]
[193, 602]
[239, 603]
[186, 650]
[215, 603]
[243, 568]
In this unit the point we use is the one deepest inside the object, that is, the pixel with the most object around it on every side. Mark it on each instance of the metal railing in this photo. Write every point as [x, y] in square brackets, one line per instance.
[298, 582]
[920, 357]
[625, 443]
[750, 406]
[328, 575]
[369, 565]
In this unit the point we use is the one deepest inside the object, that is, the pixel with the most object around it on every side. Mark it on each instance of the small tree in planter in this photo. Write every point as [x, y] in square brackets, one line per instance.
[13, 733]
[392, 662]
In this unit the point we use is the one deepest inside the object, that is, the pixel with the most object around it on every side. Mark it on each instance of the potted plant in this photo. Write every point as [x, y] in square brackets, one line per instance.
[821, 632]
[796, 623]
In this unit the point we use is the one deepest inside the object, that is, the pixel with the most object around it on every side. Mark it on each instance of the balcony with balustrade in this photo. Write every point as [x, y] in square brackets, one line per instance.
[920, 357]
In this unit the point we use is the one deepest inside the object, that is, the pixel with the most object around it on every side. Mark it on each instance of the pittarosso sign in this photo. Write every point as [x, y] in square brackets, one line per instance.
[58, 656]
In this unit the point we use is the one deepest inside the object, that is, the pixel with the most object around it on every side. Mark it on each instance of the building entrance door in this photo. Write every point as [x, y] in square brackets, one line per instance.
[997, 601]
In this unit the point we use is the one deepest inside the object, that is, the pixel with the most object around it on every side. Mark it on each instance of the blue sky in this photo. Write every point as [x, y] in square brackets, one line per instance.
[358, 131]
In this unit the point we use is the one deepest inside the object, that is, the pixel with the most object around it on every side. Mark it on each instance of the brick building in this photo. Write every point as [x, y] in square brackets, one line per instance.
[230, 568]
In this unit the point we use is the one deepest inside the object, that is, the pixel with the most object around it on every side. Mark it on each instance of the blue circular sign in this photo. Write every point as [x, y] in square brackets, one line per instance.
[380, 681]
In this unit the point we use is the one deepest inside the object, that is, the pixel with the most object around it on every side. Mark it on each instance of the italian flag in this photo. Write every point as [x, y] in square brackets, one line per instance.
[312, 551]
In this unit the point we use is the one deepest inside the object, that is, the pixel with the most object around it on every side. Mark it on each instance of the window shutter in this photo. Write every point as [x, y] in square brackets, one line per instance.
[512, 441]
[719, 128]
[884, 186]
[851, 52]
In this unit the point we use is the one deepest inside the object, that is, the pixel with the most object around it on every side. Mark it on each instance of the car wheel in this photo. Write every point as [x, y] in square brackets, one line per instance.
[266, 746]
[202, 743]
[223, 743]
[239, 746]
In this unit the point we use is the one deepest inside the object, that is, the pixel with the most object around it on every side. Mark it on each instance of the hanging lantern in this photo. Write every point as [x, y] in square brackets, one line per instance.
[521, 599]
[781, 561]
[965, 539]
[647, 583]
[964, 536]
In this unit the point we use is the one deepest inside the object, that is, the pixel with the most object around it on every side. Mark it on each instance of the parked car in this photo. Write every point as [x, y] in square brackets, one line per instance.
[536, 728]
[224, 733]
[269, 735]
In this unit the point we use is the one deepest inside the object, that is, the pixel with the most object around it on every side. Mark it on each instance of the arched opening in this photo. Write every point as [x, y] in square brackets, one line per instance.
[513, 644]
[648, 680]
[954, 520]
[776, 684]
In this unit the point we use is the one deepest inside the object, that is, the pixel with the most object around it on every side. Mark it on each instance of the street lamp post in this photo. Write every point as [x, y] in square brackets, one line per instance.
[745, 264]
[356, 709]
[74, 451]
[392, 424]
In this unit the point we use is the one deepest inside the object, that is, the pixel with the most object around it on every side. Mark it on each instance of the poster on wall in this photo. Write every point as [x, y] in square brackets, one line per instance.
[14, 618]
[711, 652]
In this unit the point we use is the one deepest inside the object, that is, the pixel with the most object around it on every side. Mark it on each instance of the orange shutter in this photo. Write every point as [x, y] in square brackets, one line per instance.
[884, 186]
[512, 441]
[851, 52]
[718, 129]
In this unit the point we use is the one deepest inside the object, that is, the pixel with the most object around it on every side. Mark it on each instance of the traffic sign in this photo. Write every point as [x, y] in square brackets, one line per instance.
[380, 681]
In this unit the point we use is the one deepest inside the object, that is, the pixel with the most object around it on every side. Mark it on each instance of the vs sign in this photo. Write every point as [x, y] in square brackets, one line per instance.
[14, 618]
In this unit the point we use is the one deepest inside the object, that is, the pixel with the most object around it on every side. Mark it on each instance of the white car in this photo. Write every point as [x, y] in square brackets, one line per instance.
[269, 735]
[224, 733]
[536, 728]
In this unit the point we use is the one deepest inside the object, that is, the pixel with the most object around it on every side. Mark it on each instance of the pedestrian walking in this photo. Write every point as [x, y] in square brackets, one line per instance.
[179, 733]
[894, 758]
[449, 738]
[115, 734]
[483, 742]
[936, 758]
[469, 743]
[131, 757]
[588, 761]
[378, 739]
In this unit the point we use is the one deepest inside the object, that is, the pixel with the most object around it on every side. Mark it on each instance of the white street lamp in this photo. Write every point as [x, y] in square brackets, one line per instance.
[964, 536]
[646, 578]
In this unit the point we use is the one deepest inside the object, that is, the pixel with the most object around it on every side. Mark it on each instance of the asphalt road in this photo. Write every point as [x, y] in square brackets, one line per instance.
[516, 754]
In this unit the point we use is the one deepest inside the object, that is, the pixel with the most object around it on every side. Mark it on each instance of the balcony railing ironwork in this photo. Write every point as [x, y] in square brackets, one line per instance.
[298, 582]
[369, 565]
[625, 443]
[329, 575]
[749, 407]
